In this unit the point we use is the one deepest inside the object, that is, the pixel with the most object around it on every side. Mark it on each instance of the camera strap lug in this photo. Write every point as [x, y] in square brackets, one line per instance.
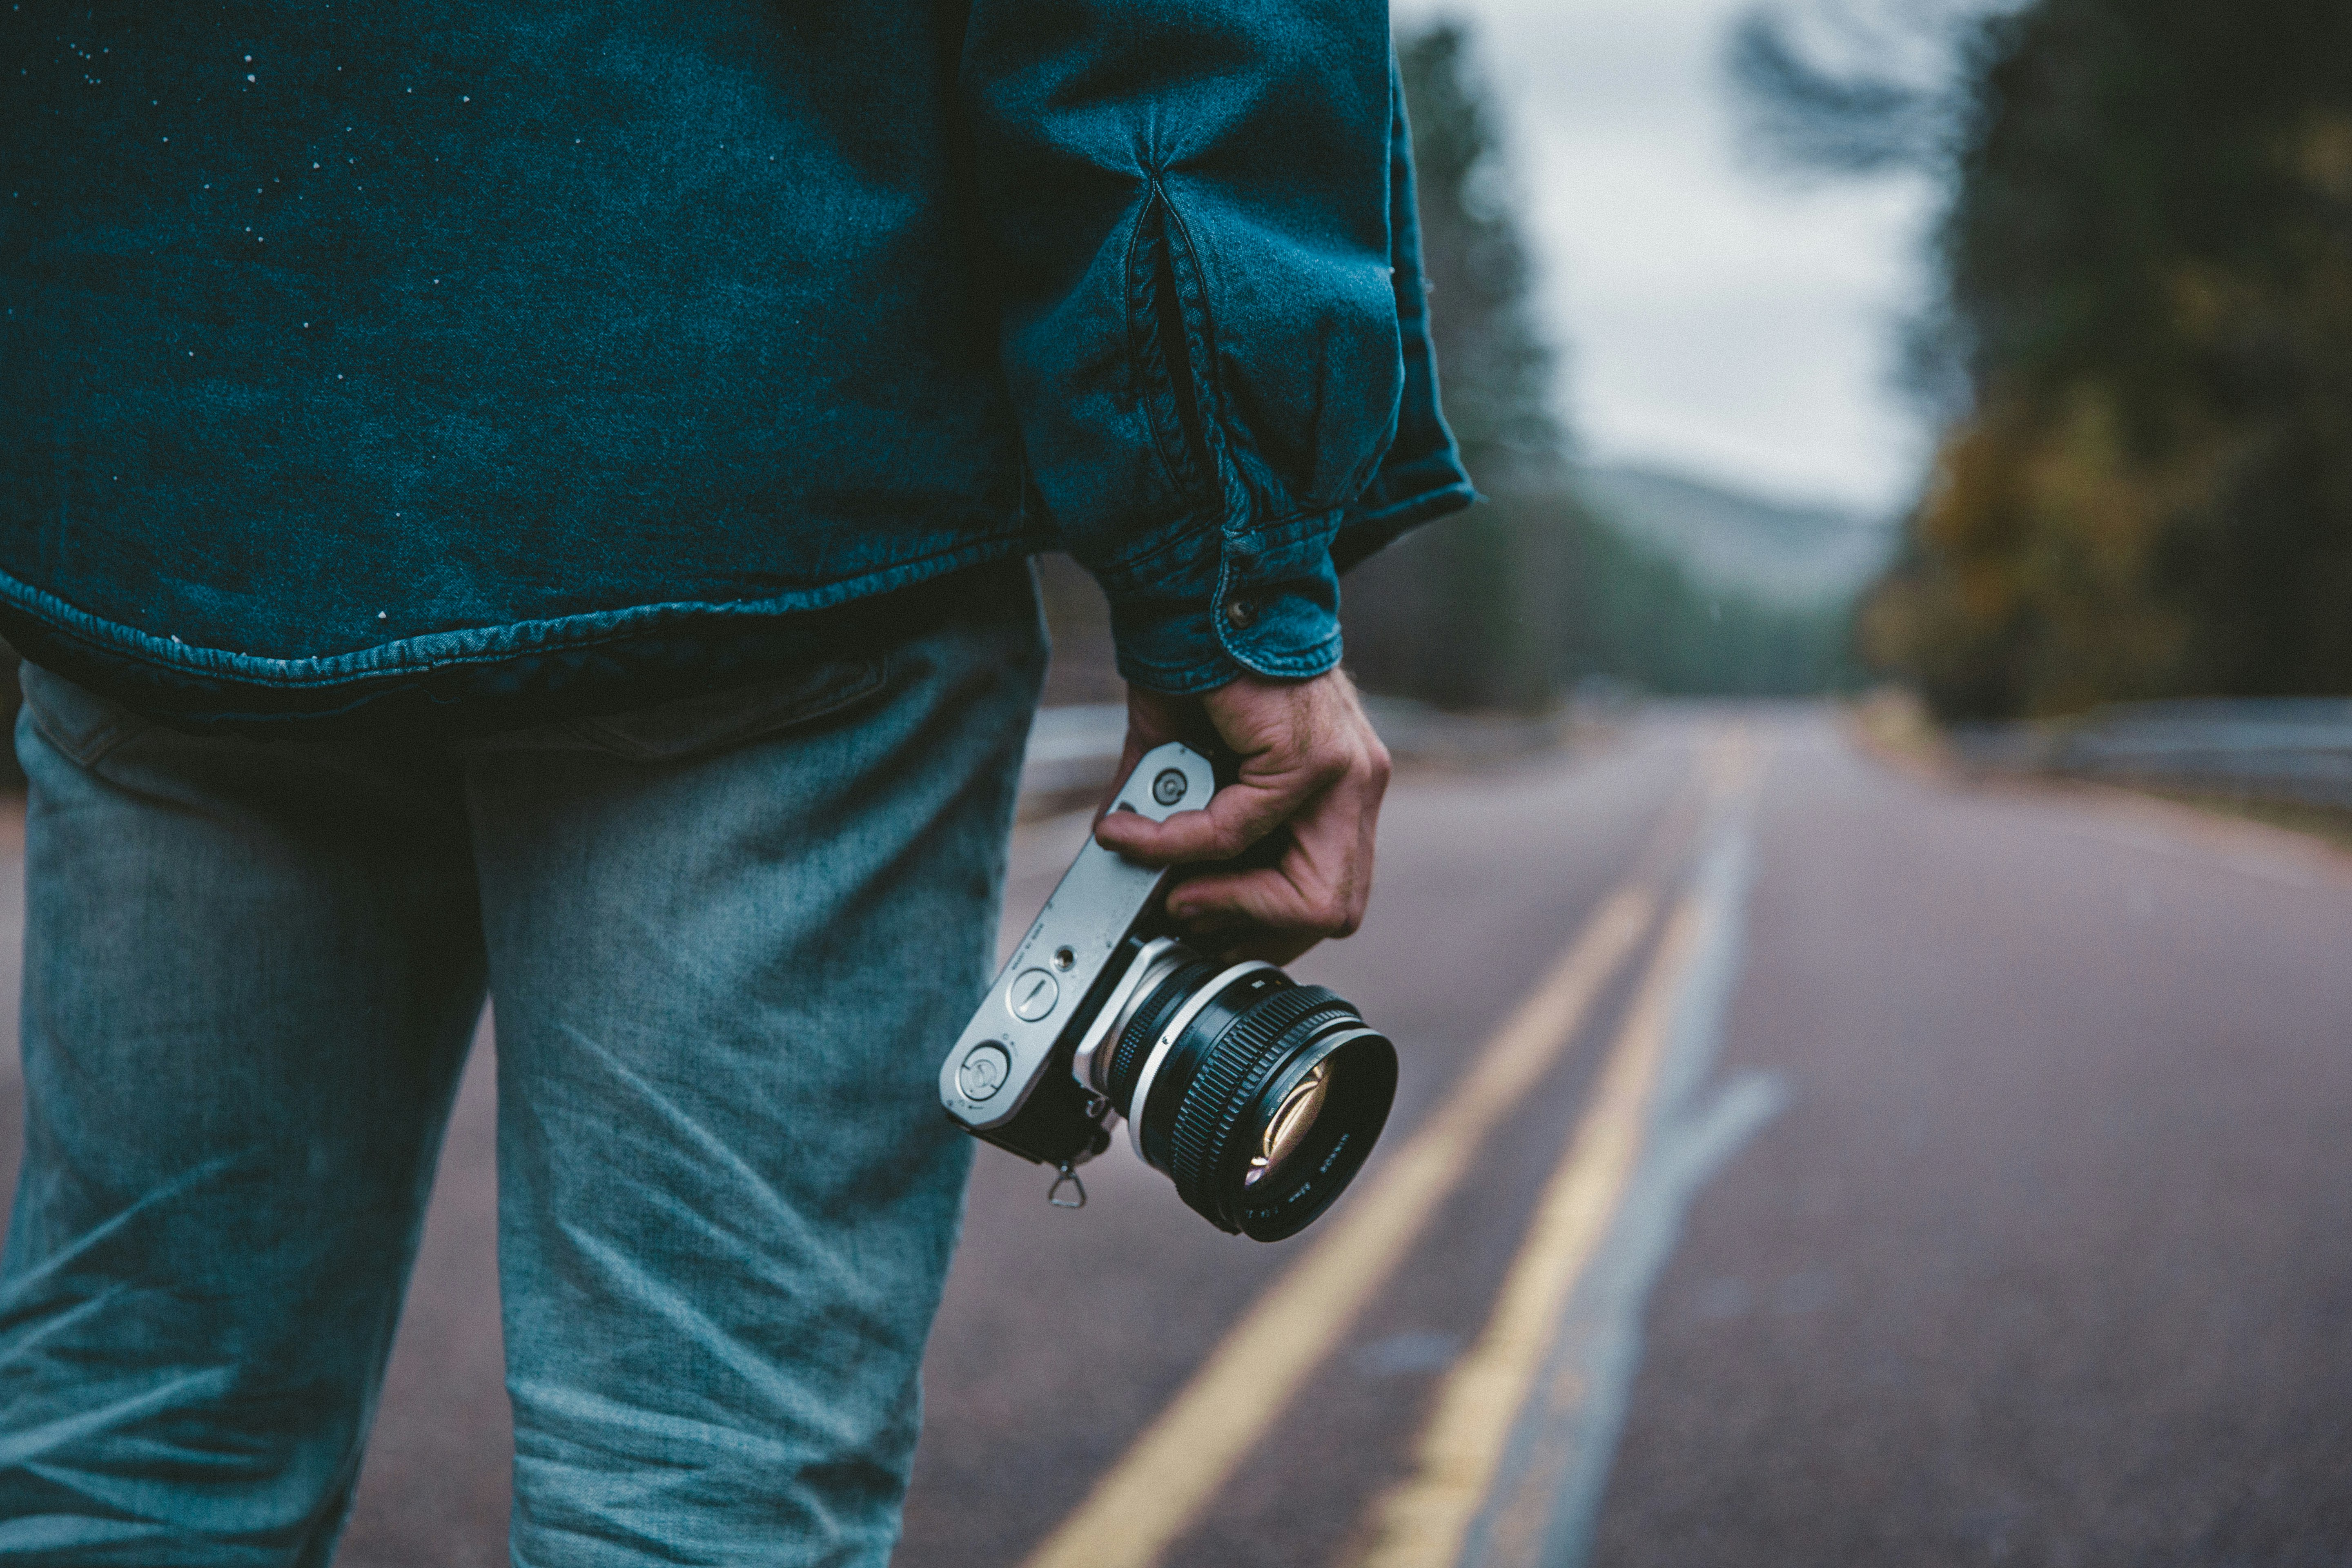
[1068, 1178]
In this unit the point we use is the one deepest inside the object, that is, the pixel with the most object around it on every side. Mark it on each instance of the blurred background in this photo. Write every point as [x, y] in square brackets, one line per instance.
[2002, 352]
[1917, 444]
[1874, 788]
[1668, 370]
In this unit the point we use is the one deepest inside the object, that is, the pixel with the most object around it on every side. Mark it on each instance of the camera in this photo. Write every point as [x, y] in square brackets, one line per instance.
[1257, 1096]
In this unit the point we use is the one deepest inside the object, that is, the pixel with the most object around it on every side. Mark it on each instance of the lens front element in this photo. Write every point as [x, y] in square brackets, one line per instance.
[1289, 1123]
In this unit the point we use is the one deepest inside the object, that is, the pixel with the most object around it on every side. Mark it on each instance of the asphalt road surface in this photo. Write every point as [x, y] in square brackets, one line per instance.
[1798, 1161]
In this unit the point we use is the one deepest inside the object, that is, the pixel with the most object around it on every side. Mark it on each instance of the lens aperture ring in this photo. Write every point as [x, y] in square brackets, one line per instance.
[1224, 1086]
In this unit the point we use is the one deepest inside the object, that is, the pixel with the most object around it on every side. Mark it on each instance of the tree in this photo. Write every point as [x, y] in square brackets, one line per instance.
[1510, 604]
[2147, 489]
[1463, 614]
[1499, 372]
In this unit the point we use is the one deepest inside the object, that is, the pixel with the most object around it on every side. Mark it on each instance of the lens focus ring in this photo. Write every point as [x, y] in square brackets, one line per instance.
[1135, 1040]
[1225, 1085]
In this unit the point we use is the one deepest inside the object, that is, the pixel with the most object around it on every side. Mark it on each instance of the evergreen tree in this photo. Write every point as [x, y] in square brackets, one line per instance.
[1499, 374]
[1508, 604]
[2147, 265]
[1464, 614]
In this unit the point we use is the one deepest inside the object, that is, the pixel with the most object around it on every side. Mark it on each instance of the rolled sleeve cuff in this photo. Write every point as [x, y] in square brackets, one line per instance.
[1217, 604]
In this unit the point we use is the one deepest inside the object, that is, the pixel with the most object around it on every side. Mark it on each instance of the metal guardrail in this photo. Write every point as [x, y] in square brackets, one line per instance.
[2288, 749]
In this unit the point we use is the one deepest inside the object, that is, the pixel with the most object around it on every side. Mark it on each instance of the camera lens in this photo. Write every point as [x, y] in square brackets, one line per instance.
[1259, 1096]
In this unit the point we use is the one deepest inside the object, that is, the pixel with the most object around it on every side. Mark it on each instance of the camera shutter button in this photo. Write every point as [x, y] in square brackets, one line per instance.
[1033, 994]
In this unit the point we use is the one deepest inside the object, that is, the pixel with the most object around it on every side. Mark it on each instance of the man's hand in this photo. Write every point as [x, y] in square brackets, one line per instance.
[1309, 764]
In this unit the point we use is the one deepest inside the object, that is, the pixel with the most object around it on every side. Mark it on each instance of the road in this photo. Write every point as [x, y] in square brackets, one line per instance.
[1798, 1159]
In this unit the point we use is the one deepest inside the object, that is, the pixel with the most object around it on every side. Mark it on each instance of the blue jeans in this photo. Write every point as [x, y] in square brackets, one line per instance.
[727, 938]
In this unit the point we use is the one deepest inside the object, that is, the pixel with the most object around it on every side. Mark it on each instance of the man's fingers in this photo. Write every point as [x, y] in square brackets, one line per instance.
[1318, 887]
[1130, 755]
[1237, 817]
[1310, 763]
[1272, 790]
[1237, 901]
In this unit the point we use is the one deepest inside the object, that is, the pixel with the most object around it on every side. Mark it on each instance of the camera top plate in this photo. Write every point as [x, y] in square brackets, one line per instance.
[1009, 1043]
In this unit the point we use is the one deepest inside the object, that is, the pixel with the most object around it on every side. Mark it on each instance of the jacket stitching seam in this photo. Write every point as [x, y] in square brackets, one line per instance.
[1225, 464]
[111, 639]
[1137, 318]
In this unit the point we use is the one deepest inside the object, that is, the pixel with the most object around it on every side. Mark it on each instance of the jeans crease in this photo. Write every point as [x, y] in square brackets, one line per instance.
[725, 1200]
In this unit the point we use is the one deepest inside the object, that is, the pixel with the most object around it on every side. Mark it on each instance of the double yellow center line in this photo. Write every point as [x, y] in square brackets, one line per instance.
[1424, 1522]
[1179, 1463]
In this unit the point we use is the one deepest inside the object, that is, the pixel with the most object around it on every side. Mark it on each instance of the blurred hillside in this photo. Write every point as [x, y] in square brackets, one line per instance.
[1530, 595]
[2145, 486]
[1790, 556]
[1648, 579]
[1567, 574]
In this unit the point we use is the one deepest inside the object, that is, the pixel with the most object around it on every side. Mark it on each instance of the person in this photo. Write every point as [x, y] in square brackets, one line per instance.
[534, 500]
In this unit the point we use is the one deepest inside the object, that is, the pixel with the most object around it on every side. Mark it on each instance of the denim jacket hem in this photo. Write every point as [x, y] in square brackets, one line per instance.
[613, 650]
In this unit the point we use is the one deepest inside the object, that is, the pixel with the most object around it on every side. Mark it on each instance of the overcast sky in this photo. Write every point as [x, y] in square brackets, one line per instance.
[1717, 318]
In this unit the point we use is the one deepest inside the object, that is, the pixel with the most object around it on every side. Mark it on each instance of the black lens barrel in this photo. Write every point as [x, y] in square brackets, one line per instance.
[1225, 1076]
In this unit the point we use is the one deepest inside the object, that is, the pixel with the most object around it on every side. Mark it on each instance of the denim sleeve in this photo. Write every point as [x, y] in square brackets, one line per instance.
[1189, 209]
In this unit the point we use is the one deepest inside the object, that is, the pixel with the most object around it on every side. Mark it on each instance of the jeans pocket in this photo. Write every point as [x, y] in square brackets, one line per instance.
[74, 719]
[710, 721]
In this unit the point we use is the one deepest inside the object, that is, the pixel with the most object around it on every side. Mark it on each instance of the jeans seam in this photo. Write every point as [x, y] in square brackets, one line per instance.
[873, 675]
[95, 746]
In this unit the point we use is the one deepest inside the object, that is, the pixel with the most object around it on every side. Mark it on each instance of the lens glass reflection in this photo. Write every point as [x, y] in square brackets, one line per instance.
[1289, 1123]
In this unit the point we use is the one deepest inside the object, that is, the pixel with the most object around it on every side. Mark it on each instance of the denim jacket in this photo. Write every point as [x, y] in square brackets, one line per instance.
[449, 352]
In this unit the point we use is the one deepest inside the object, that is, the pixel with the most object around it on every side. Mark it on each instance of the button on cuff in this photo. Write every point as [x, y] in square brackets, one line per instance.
[1257, 601]
[1286, 627]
